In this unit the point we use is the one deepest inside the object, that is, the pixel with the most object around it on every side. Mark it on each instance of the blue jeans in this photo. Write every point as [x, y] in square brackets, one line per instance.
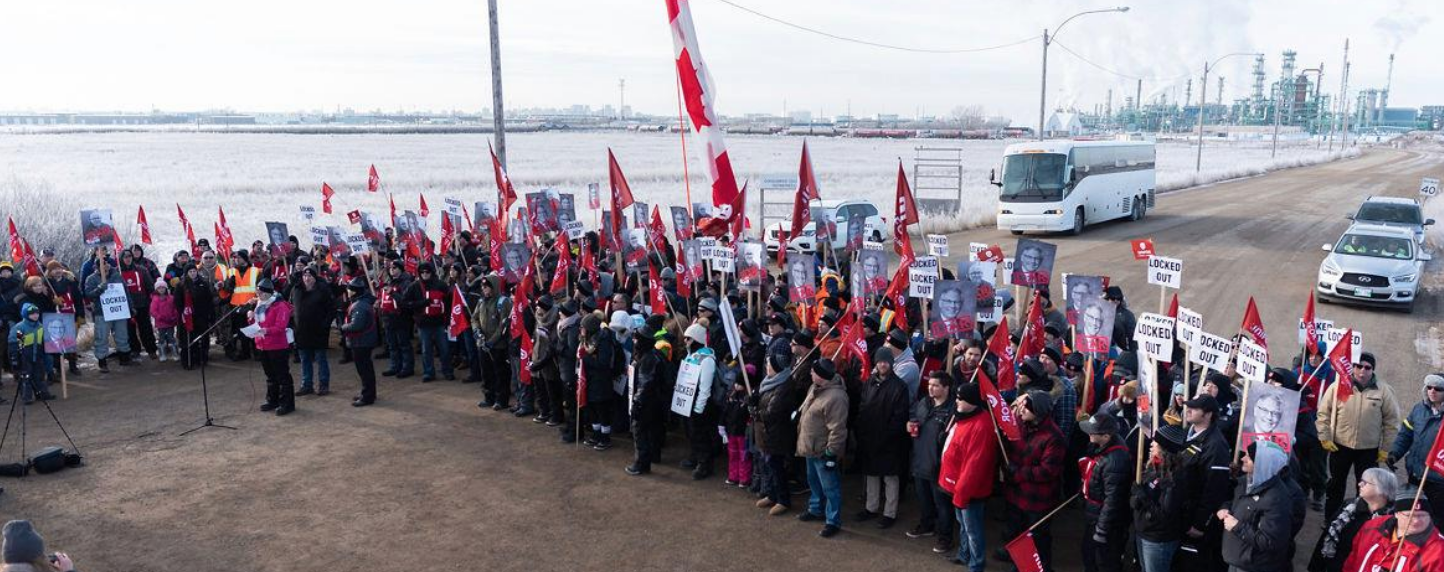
[970, 536]
[826, 485]
[467, 341]
[316, 358]
[433, 341]
[1156, 556]
[103, 330]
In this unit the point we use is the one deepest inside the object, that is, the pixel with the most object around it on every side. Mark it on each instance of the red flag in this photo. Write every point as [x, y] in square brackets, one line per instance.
[1001, 347]
[697, 93]
[459, 320]
[373, 180]
[1253, 325]
[1142, 248]
[425, 211]
[906, 214]
[1033, 339]
[17, 248]
[188, 312]
[621, 195]
[739, 218]
[221, 247]
[1025, 553]
[224, 231]
[897, 291]
[144, 225]
[581, 377]
[521, 300]
[994, 253]
[1311, 330]
[447, 232]
[1002, 414]
[1435, 460]
[190, 231]
[523, 373]
[656, 231]
[505, 193]
[854, 343]
[587, 262]
[784, 236]
[1342, 360]
[1173, 307]
[684, 274]
[392, 200]
[564, 264]
[326, 194]
[807, 191]
[654, 290]
[32, 264]
[497, 237]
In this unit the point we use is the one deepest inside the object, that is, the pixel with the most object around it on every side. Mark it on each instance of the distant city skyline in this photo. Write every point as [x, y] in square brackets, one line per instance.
[278, 57]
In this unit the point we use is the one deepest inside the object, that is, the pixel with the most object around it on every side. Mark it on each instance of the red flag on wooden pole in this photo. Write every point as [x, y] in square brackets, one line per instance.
[326, 194]
[1025, 553]
[1342, 360]
[144, 225]
[373, 180]
[807, 191]
[1253, 325]
[906, 214]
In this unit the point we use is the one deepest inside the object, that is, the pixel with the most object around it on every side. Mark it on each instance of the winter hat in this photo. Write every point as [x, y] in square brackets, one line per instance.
[779, 361]
[1033, 370]
[1171, 437]
[545, 303]
[1040, 403]
[266, 286]
[897, 339]
[777, 318]
[357, 284]
[1284, 377]
[696, 333]
[971, 393]
[569, 308]
[871, 322]
[22, 544]
[708, 304]
[1099, 424]
[621, 322]
[27, 309]
[589, 305]
[1403, 500]
[802, 338]
[1205, 402]
[824, 368]
[882, 355]
[1435, 380]
[669, 274]
[160, 283]
[749, 328]
[1368, 357]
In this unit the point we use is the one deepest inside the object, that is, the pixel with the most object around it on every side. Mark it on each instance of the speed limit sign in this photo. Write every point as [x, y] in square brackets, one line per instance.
[1429, 187]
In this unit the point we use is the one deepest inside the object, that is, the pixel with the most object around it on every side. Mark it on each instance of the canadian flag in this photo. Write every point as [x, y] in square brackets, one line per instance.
[698, 92]
[144, 225]
[326, 194]
[373, 180]
[907, 214]
[459, 321]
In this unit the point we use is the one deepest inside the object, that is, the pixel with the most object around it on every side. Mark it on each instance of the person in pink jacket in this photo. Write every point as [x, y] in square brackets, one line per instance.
[970, 460]
[273, 316]
[163, 313]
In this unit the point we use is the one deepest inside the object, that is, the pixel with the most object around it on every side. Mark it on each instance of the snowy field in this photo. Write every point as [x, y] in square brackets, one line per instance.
[266, 177]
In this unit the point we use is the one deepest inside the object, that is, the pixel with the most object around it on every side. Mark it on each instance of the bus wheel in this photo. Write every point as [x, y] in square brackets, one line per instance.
[1017, 233]
[1077, 223]
[1136, 211]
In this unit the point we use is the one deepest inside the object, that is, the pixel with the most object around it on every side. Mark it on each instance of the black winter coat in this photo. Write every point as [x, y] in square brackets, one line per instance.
[1106, 491]
[1157, 504]
[314, 311]
[881, 427]
[774, 421]
[1263, 539]
[1207, 481]
[598, 365]
[648, 401]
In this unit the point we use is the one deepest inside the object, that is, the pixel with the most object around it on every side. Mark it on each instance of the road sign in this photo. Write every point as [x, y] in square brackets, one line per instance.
[1429, 186]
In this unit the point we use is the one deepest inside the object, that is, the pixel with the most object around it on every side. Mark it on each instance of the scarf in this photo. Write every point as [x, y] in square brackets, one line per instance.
[1353, 510]
[775, 381]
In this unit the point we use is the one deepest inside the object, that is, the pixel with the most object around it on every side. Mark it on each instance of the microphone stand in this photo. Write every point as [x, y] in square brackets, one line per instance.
[205, 391]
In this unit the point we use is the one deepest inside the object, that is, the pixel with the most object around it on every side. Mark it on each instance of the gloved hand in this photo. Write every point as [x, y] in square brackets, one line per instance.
[829, 461]
[1391, 460]
[1329, 446]
[1385, 458]
[1100, 537]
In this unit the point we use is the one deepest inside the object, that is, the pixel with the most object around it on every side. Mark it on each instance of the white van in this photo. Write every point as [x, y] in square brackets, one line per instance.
[1065, 185]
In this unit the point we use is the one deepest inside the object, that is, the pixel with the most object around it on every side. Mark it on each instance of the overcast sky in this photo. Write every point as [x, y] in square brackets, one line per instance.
[275, 55]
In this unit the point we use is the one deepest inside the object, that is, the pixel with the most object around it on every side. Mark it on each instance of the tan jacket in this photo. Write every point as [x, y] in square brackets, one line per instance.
[1368, 420]
[822, 423]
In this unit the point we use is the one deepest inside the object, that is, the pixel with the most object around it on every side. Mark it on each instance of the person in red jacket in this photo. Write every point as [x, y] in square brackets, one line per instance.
[1034, 478]
[1406, 541]
[272, 316]
[969, 463]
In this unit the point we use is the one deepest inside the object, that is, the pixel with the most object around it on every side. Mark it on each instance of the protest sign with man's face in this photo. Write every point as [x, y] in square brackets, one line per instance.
[801, 279]
[634, 251]
[96, 227]
[953, 307]
[1078, 288]
[1271, 415]
[59, 332]
[749, 266]
[1095, 332]
[692, 256]
[278, 235]
[874, 271]
[566, 208]
[514, 257]
[681, 224]
[1033, 264]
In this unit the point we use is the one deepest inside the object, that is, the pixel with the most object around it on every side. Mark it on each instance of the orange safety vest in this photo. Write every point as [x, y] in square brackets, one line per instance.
[245, 286]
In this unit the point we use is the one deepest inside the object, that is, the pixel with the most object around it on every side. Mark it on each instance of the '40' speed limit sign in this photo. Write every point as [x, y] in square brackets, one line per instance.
[1429, 186]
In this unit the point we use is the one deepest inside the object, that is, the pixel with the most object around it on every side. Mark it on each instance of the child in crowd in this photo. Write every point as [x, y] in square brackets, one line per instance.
[734, 423]
[163, 313]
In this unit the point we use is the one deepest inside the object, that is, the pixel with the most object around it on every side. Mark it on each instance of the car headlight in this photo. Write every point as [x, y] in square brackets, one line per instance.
[1405, 278]
[1053, 211]
[1328, 268]
[1005, 211]
[808, 232]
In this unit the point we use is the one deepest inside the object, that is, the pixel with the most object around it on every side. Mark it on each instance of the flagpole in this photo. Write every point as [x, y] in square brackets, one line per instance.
[1409, 521]
[682, 131]
[1243, 410]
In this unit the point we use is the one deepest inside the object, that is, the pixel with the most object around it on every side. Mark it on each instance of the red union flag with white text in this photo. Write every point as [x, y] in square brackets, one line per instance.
[698, 92]
[906, 214]
[1435, 460]
[1025, 553]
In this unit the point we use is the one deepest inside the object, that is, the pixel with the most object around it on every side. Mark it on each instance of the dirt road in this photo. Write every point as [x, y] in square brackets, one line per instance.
[426, 481]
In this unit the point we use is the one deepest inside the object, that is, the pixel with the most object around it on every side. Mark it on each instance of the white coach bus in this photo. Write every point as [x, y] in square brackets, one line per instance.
[1065, 185]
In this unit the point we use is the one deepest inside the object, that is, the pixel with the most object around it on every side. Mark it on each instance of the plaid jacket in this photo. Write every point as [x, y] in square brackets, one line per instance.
[1034, 480]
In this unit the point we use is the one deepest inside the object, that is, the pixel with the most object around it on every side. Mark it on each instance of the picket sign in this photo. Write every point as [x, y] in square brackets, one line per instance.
[1154, 334]
[1210, 352]
[1252, 364]
[1190, 325]
[685, 394]
[114, 303]
[1333, 335]
[358, 243]
[974, 248]
[937, 245]
[1320, 325]
[308, 213]
[922, 274]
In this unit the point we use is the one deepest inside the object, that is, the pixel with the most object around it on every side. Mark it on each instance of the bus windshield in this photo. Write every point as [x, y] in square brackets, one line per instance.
[1033, 177]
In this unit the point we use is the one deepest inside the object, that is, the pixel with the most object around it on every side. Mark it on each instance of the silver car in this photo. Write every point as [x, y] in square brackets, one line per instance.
[1373, 264]
[1393, 211]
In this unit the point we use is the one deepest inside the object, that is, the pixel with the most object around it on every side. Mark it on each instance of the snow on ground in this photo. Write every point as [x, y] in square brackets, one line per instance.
[265, 177]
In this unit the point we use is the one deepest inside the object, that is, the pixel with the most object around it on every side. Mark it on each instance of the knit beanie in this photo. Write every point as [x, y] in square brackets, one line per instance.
[22, 544]
[971, 393]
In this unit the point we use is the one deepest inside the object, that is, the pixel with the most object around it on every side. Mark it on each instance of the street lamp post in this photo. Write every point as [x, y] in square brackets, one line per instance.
[1043, 90]
[1203, 103]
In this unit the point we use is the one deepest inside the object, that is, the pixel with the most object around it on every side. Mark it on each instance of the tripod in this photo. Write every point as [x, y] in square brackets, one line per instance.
[23, 379]
[205, 361]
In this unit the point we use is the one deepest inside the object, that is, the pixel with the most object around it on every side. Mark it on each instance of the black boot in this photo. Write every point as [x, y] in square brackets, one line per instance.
[104, 366]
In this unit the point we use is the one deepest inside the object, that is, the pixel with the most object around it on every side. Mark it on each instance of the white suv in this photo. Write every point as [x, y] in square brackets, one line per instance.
[1393, 211]
[1373, 264]
[840, 211]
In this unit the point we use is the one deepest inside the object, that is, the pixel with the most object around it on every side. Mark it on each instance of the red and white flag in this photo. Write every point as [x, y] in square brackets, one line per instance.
[392, 200]
[223, 232]
[654, 291]
[1253, 325]
[621, 195]
[373, 180]
[1142, 248]
[425, 211]
[523, 373]
[190, 231]
[564, 264]
[326, 194]
[459, 320]
[448, 231]
[807, 191]
[897, 291]
[1001, 347]
[581, 377]
[854, 343]
[505, 192]
[698, 92]
[17, 247]
[1025, 553]
[905, 215]
[1030, 345]
[1435, 460]
[1311, 329]
[1341, 358]
[740, 224]
[993, 253]
[144, 225]
[1002, 414]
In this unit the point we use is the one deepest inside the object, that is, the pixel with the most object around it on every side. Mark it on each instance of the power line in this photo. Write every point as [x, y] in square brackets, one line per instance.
[872, 43]
[1118, 73]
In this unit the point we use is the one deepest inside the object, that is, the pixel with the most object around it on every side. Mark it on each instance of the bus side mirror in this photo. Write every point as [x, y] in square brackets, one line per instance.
[993, 178]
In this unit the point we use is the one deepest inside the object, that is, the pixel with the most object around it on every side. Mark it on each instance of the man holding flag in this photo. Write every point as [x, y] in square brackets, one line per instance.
[1358, 420]
[1416, 444]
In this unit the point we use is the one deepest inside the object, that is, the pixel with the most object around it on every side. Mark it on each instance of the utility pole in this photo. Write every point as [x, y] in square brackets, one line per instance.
[1341, 119]
[622, 99]
[498, 115]
[1043, 89]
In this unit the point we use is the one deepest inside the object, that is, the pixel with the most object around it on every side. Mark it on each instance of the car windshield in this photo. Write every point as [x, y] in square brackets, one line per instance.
[1033, 177]
[1389, 213]
[1376, 246]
